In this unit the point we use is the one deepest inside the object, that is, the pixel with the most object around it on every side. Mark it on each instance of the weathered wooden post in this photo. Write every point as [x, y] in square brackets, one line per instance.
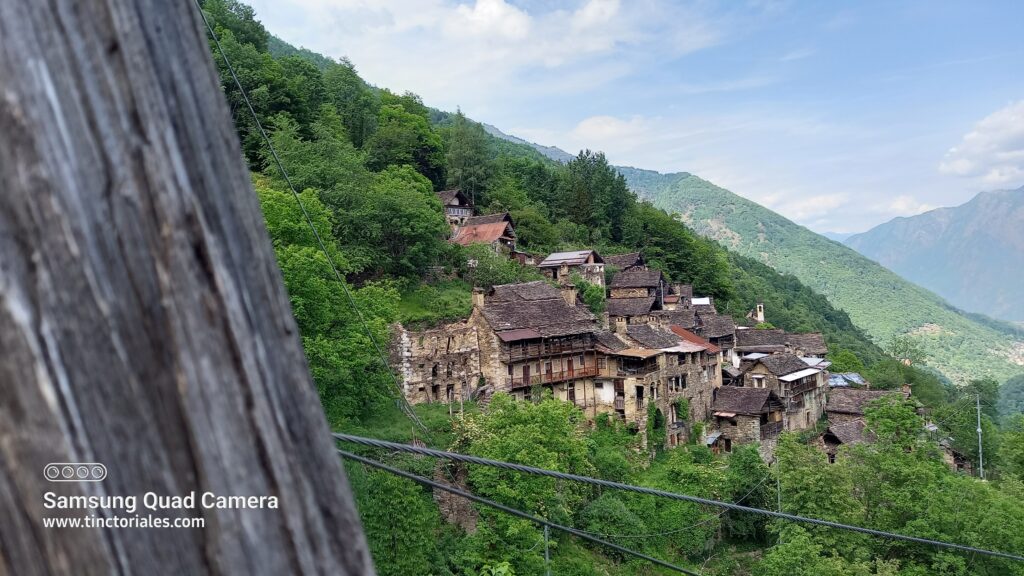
[143, 322]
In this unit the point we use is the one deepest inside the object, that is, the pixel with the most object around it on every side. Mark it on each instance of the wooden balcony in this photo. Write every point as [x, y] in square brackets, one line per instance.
[620, 402]
[546, 349]
[551, 377]
[805, 385]
[771, 430]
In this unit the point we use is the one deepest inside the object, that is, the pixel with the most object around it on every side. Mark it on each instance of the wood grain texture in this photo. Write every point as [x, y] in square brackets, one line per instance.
[143, 320]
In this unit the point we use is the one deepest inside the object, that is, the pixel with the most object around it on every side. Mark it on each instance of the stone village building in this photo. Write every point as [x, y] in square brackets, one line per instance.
[801, 387]
[494, 230]
[457, 207]
[743, 416]
[560, 266]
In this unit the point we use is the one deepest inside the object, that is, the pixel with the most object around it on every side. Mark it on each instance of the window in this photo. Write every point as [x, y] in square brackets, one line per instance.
[602, 363]
[583, 361]
[831, 458]
[509, 369]
[758, 381]
[570, 393]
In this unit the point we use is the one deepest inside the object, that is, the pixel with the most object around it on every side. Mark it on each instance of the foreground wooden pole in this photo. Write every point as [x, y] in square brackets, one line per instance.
[143, 322]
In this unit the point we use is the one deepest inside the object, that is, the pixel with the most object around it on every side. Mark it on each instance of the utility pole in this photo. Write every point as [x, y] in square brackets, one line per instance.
[144, 327]
[981, 453]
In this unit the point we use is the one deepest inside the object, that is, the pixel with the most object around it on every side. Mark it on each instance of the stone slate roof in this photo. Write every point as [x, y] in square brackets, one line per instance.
[625, 261]
[448, 196]
[683, 318]
[782, 364]
[636, 278]
[812, 343]
[705, 309]
[650, 337]
[715, 325]
[629, 306]
[760, 340]
[489, 219]
[844, 379]
[749, 401]
[537, 306]
[573, 258]
[852, 400]
[610, 341]
[852, 432]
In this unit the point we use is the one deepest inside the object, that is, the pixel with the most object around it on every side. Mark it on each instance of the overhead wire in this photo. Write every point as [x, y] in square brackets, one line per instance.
[513, 511]
[403, 403]
[372, 442]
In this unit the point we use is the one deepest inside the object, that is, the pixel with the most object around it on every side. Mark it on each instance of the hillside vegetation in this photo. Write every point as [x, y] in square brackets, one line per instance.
[367, 163]
[878, 300]
[972, 255]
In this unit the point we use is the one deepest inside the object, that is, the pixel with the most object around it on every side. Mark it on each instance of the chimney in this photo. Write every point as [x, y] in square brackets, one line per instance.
[478, 298]
[563, 273]
[760, 313]
[620, 325]
[568, 293]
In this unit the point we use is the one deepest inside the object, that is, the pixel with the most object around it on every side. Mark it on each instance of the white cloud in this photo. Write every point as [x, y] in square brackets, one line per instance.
[904, 205]
[489, 17]
[993, 151]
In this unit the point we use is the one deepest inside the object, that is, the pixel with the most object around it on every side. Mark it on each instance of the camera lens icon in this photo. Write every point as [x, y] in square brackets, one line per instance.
[74, 472]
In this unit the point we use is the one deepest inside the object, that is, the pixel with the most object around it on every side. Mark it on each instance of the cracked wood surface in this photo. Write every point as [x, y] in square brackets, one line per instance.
[143, 320]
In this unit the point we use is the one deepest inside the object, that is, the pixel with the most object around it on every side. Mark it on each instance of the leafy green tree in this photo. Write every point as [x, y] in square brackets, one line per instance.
[1011, 450]
[748, 482]
[907, 349]
[467, 157]
[351, 380]
[592, 294]
[845, 361]
[1011, 396]
[486, 268]
[353, 99]
[404, 138]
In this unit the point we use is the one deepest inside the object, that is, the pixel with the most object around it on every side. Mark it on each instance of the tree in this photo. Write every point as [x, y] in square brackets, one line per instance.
[845, 361]
[399, 223]
[143, 320]
[907, 349]
[1011, 396]
[467, 157]
[404, 138]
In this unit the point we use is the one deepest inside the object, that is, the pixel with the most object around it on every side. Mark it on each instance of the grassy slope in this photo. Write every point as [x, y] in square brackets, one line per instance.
[877, 300]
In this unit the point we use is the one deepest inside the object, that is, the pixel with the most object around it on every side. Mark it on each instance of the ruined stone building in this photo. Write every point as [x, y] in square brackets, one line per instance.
[494, 230]
[800, 386]
[745, 415]
[457, 207]
[438, 365]
[847, 404]
[560, 266]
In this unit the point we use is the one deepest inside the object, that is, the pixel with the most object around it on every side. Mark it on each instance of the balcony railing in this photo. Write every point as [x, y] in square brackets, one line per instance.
[538, 350]
[803, 386]
[771, 430]
[637, 370]
[551, 377]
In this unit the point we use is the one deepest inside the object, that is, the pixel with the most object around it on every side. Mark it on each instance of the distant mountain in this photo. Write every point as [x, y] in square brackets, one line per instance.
[962, 346]
[837, 236]
[971, 255]
[552, 152]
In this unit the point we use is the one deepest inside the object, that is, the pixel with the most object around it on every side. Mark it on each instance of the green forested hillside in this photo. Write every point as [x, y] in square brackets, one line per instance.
[972, 255]
[367, 163]
[877, 300]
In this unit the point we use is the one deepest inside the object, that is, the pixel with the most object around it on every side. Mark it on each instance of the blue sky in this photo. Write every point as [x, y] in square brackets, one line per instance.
[838, 115]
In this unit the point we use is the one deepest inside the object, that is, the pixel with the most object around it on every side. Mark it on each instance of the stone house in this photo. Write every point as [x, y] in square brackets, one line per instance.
[745, 415]
[494, 230]
[648, 370]
[679, 297]
[800, 386]
[438, 365]
[624, 311]
[847, 404]
[560, 266]
[638, 283]
[720, 330]
[457, 206]
[843, 433]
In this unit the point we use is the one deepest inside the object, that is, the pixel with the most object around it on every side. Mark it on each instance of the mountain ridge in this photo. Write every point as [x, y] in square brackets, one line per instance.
[971, 254]
[878, 300]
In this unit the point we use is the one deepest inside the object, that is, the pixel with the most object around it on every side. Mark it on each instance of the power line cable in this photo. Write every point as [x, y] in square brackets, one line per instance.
[403, 403]
[685, 528]
[665, 494]
[510, 510]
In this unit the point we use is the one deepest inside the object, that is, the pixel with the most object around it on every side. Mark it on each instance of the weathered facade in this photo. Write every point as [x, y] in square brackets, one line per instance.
[743, 416]
[754, 341]
[800, 386]
[440, 364]
[457, 207]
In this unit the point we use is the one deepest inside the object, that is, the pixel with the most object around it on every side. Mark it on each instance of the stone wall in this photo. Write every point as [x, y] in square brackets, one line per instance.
[438, 365]
[629, 293]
